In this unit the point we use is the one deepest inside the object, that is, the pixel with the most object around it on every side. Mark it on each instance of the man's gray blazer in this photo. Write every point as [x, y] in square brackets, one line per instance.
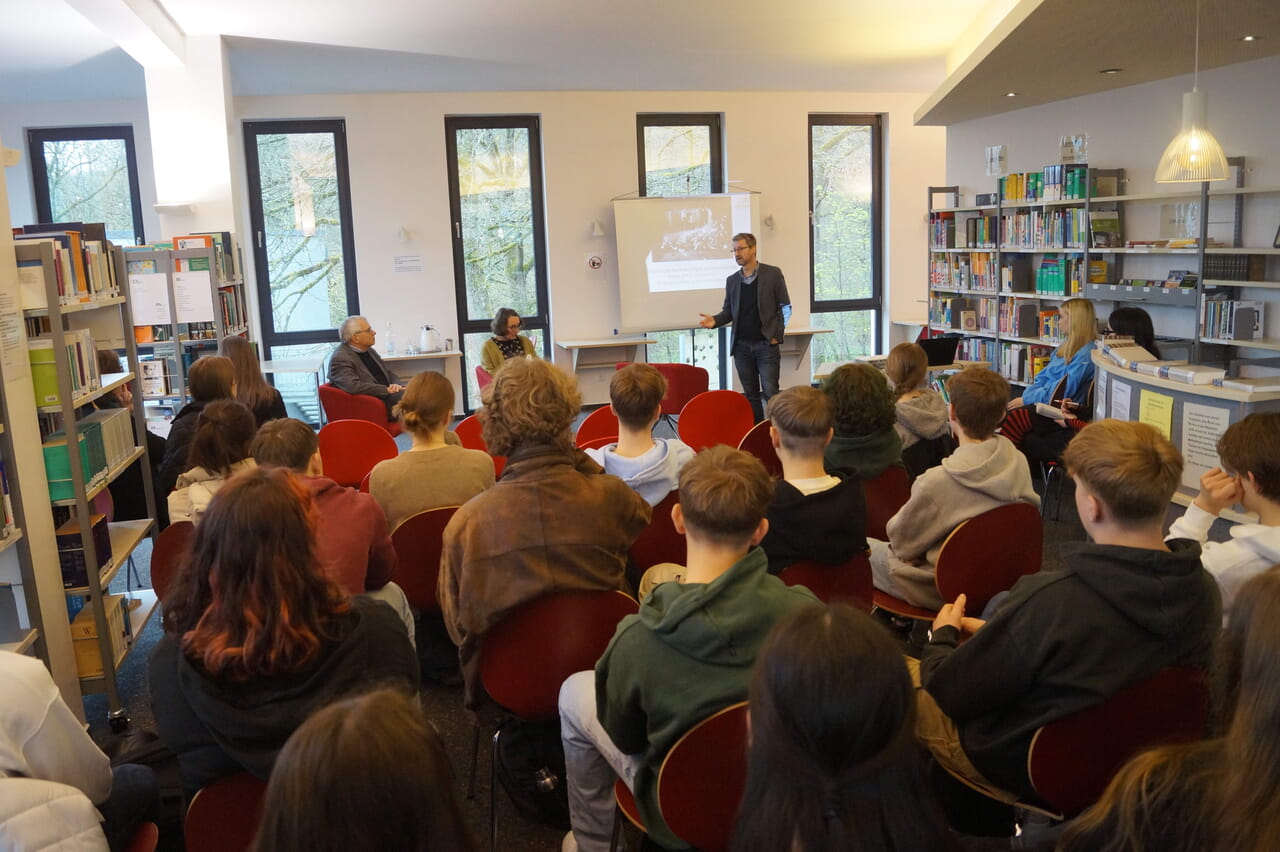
[771, 297]
[347, 372]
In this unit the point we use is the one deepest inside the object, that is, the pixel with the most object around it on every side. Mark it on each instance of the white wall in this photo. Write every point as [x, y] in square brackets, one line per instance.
[398, 177]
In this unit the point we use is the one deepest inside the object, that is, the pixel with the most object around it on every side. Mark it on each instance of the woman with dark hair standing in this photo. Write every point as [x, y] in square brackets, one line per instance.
[251, 386]
[834, 764]
[210, 378]
[219, 450]
[364, 774]
[507, 342]
[256, 638]
[1222, 794]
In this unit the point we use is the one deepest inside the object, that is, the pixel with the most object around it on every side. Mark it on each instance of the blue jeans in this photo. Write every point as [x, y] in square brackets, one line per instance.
[758, 363]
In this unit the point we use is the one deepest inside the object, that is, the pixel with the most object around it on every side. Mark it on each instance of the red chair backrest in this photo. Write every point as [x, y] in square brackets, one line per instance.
[483, 377]
[684, 382]
[224, 816]
[468, 431]
[527, 656]
[600, 423]
[988, 553]
[364, 483]
[597, 443]
[340, 405]
[350, 448]
[702, 779]
[1073, 759]
[886, 494]
[848, 582]
[166, 555]
[145, 838]
[659, 542]
[715, 417]
[419, 541]
[759, 444]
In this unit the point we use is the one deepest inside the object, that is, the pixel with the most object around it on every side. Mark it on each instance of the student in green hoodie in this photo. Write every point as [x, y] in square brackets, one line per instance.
[687, 654]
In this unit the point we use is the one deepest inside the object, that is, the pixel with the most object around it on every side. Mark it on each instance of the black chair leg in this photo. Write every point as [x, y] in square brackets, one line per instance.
[616, 840]
[493, 793]
[475, 758]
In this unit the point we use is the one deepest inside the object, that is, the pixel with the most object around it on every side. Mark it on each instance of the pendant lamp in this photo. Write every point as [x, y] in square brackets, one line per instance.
[1194, 155]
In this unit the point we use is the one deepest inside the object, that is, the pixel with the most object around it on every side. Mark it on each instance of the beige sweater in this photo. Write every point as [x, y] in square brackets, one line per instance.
[418, 480]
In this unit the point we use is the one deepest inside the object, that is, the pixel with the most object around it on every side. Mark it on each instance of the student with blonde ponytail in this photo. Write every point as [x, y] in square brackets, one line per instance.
[1072, 360]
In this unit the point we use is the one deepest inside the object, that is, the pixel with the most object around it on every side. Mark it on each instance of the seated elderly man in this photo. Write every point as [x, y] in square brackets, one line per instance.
[356, 367]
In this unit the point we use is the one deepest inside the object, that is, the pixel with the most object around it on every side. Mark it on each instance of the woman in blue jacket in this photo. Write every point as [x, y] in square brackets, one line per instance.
[1071, 360]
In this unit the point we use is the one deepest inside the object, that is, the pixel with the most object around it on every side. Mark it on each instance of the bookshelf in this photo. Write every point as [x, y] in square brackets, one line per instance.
[83, 452]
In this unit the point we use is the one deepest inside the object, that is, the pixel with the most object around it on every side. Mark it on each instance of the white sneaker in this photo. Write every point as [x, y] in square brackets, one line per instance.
[569, 843]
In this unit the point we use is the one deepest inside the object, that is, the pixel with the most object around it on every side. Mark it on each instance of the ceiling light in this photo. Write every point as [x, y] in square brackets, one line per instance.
[1249, 38]
[1010, 94]
[1110, 70]
[1194, 155]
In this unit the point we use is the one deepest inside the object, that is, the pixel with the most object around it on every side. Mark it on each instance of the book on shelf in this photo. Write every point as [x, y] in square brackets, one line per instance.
[82, 263]
[192, 241]
[71, 552]
[1259, 384]
[9, 523]
[944, 198]
[225, 248]
[1231, 319]
[1104, 229]
[1125, 353]
[1235, 267]
[1153, 368]
[83, 360]
[1192, 374]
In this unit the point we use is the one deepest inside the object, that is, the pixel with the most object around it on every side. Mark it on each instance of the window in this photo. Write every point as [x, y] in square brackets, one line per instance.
[499, 234]
[682, 154]
[88, 174]
[300, 215]
[845, 182]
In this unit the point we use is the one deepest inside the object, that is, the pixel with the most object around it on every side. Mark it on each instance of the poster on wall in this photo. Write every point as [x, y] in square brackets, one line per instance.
[1202, 425]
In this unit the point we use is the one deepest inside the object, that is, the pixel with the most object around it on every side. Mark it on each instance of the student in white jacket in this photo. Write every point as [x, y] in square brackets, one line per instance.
[1250, 475]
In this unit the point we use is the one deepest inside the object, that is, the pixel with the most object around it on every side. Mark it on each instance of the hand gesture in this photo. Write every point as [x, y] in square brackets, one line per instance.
[952, 615]
[707, 321]
[1014, 403]
[1218, 490]
[394, 388]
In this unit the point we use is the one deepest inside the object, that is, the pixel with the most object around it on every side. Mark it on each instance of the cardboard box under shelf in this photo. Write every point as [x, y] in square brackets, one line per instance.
[84, 636]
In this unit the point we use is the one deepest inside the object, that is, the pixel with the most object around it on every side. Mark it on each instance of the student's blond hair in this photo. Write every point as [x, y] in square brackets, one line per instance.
[1130, 467]
[427, 403]
[636, 392]
[723, 495]
[979, 398]
[906, 367]
[803, 417]
[1083, 330]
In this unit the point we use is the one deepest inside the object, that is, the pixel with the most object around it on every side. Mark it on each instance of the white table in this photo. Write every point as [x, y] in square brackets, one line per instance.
[605, 351]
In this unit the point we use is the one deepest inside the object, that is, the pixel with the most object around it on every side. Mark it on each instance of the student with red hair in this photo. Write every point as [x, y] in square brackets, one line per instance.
[257, 638]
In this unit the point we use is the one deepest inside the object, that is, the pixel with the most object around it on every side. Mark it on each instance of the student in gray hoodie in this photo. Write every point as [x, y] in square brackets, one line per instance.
[984, 472]
[649, 465]
[921, 411]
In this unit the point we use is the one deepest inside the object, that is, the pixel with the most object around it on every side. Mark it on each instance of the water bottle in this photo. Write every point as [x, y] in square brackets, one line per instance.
[391, 341]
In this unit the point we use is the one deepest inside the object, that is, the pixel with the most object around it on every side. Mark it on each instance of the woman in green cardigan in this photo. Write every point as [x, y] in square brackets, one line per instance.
[507, 342]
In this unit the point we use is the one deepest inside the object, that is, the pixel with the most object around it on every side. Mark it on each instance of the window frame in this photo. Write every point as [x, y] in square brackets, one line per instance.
[714, 121]
[262, 273]
[537, 201]
[876, 301]
[37, 136]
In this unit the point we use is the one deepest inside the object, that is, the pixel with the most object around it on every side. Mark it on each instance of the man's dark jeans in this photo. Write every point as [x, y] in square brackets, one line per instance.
[758, 363]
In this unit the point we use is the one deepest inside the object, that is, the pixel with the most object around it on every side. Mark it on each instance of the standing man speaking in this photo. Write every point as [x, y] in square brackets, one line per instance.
[756, 302]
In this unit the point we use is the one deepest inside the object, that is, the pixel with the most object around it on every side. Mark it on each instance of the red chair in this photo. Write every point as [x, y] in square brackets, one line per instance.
[419, 541]
[224, 816]
[340, 405]
[166, 555]
[983, 556]
[684, 382]
[364, 483]
[715, 417]
[527, 656]
[659, 542]
[597, 443]
[885, 494]
[849, 582]
[350, 448]
[600, 423]
[759, 444]
[701, 781]
[483, 377]
[469, 433]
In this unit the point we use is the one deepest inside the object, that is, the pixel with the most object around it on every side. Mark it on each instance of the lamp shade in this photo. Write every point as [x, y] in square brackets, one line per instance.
[1194, 155]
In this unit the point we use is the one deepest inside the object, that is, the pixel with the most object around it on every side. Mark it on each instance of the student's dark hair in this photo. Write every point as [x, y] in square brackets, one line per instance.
[210, 378]
[109, 362]
[834, 764]
[861, 400]
[285, 442]
[1135, 323]
[224, 431]
[499, 324]
[364, 774]
[249, 599]
[979, 398]
[723, 494]
[636, 391]
[251, 386]
[749, 239]
[1253, 446]
[804, 419]
[906, 367]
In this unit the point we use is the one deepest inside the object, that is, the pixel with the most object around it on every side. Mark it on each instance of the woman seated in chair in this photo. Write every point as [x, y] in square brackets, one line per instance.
[210, 378]
[920, 410]
[437, 471]
[1222, 793]
[251, 386]
[833, 756]
[1070, 366]
[364, 774]
[865, 442]
[553, 522]
[507, 342]
[256, 638]
[219, 450]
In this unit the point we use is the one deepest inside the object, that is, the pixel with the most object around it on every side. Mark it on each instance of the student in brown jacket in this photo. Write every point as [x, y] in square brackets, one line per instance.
[553, 522]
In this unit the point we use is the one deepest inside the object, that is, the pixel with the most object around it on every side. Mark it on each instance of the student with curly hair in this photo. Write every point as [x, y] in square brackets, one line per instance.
[553, 522]
[865, 442]
[257, 638]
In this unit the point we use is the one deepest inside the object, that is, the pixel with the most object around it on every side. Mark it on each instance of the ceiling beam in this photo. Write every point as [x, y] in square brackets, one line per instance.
[141, 27]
